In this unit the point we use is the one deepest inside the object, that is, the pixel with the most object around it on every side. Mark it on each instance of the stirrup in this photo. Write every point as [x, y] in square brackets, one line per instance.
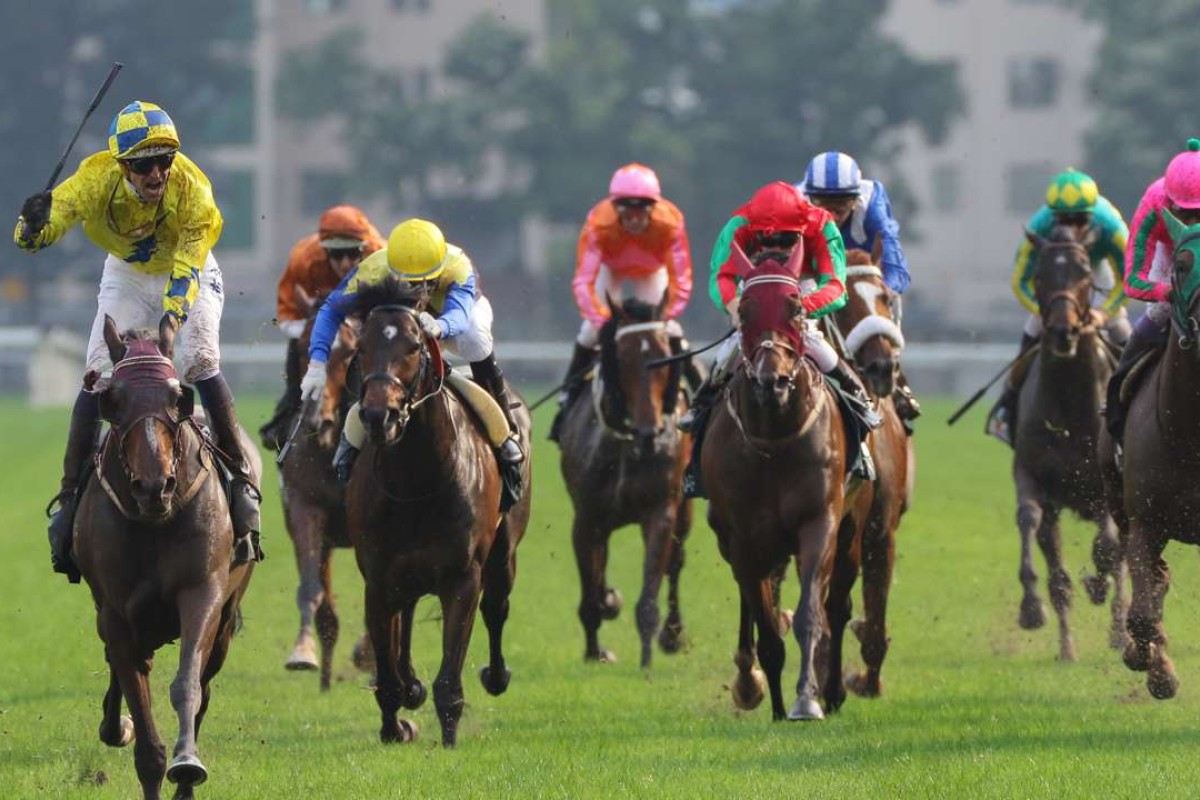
[510, 451]
[997, 425]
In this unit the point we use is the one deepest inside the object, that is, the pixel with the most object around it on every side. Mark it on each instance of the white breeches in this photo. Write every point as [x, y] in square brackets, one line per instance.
[648, 289]
[815, 347]
[475, 343]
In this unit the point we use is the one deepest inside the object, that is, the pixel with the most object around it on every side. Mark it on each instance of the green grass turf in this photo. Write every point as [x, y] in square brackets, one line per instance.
[973, 706]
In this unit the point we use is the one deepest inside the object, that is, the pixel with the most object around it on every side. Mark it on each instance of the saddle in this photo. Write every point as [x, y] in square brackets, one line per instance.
[1121, 389]
[485, 408]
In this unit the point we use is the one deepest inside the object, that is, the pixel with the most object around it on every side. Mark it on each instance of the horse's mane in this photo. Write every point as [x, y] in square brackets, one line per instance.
[391, 292]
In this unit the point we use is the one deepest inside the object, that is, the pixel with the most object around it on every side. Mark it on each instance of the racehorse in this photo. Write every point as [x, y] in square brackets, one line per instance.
[154, 542]
[423, 509]
[773, 461]
[314, 506]
[871, 341]
[1055, 462]
[1155, 498]
[622, 462]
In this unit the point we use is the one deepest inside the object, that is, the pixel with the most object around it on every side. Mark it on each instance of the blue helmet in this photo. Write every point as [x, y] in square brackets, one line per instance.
[832, 173]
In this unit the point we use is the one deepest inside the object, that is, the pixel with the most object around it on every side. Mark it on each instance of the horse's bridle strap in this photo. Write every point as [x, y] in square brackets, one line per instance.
[641, 327]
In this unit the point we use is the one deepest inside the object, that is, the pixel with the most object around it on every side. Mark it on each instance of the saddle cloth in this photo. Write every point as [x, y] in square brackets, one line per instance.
[482, 405]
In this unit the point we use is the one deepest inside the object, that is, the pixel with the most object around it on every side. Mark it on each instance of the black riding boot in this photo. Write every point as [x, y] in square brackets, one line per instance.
[274, 432]
[487, 374]
[581, 361]
[907, 406]
[1146, 337]
[868, 419]
[1002, 419]
[81, 447]
[244, 495]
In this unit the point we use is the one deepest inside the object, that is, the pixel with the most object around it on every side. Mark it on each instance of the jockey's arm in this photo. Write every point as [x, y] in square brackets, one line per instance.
[722, 278]
[71, 201]
[587, 268]
[1022, 277]
[827, 260]
[1139, 255]
[329, 319]
[200, 225]
[881, 223]
[287, 301]
[456, 310]
[1114, 238]
[679, 274]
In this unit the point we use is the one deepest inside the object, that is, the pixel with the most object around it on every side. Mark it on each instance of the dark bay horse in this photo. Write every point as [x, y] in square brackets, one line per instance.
[1055, 462]
[423, 508]
[154, 542]
[872, 342]
[314, 507]
[1156, 497]
[773, 461]
[622, 461]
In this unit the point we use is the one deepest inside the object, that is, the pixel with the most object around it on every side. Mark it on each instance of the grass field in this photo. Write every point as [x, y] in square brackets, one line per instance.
[973, 706]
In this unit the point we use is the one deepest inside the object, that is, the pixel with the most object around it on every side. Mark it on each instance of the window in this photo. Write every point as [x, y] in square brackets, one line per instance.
[320, 189]
[411, 5]
[945, 182]
[319, 8]
[1033, 82]
[1025, 185]
[231, 120]
[234, 192]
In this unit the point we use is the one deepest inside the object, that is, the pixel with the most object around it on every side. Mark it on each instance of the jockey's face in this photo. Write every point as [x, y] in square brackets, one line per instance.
[841, 206]
[1077, 221]
[148, 176]
[634, 213]
[343, 259]
[1188, 216]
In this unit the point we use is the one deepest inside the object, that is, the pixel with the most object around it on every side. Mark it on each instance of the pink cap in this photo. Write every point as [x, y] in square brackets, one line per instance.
[634, 180]
[1182, 179]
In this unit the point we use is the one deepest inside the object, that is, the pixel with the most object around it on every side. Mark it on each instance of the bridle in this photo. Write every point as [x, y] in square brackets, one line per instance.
[748, 359]
[623, 429]
[869, 326]
[411, 401]
[1071, 296]
[1187, 328]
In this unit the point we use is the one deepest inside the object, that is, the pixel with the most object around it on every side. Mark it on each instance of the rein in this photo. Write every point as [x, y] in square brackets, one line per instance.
[758, 442]
[409, 405]
[622, 431]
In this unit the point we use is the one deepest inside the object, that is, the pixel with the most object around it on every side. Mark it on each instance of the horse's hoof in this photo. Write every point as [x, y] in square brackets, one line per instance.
[414, 696]
[301, 661]
[363, 655]
[187, 771]
[671, 639]
[1066, 652]
[862, 686]
[126, 731]
[1033, 614]
[785, 621]
[405, 732]
[607, 656]
[857, 627]
[613, 603]
[748, 689]
[1096, 588]
[1162, 681]
[495, 682]
[1117, 638]
[805, 709]
[1136, 656]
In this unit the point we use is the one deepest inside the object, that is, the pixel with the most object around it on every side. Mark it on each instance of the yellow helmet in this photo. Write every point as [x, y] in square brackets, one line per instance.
[416, 249]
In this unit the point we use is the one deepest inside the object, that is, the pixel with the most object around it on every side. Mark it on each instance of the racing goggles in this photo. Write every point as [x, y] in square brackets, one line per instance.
[144, 165]
[342, 253]
[635, 203]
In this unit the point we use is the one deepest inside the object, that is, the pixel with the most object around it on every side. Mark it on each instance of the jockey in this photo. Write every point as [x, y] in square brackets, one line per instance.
[152, 210]
[316, 265]
[417, 251]
[634, 241]
[775, 219]
[863, 212]
[1072, 201]
[1150, 263]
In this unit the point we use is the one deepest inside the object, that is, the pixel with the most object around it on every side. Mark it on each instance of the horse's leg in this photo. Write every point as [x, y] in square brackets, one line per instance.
[199, 616]
[747, 686]
[671, 638]
[591, 556]
[1058, 582]
[498, 575]
[132, 668]
[326, 616]
[115, 730]
[306, 526]
[759, 596]
[809, 624]
[878, 560]
[460, 601]
[658, 533]
[387, 683]
[412, 691]
[1029, 519]
[838, 609]
[1147, 648]
[1109, 559]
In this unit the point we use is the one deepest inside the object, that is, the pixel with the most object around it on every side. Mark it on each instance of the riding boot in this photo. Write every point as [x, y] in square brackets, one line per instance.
[1146, 336]
[244, 497]
[907, 406]
[273, 433]
[1002, 419]
[487, 374]
[581, 360]
[867, 417]
[344, 458]
[81, 447]
[691, 372]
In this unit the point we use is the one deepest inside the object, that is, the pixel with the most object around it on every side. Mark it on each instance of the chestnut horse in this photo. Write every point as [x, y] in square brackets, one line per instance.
[423, 508]
[1155, 498]
[1055, 463]
[622, 461]
[154, 542]
[314, 506]
[871, 341]
[773, 461]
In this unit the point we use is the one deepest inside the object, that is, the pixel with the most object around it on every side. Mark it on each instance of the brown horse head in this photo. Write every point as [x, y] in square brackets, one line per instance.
[638, 400]
[771, 317]
[873, 339]
[146, 404]
[397, 358]
[1062, 283]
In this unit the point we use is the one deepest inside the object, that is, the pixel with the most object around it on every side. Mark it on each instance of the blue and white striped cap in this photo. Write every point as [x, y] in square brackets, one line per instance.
[832, 173]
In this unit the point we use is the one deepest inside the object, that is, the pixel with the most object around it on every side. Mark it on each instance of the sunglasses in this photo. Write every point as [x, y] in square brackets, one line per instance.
[638, 203]
[143, 166]
[1074, 219]
[783, 240]
[341, 253]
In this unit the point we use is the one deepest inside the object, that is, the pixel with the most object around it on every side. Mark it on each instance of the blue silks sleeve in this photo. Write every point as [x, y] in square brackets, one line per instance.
[329, 320]
[457, 307]
[881, 223]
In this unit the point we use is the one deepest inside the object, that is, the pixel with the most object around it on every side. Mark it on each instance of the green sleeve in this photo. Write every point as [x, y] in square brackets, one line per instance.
[722, 250]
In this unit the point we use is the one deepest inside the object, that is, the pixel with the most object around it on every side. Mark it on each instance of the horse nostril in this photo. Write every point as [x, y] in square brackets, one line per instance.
[782, 381]
[138, 486]
[169, 486]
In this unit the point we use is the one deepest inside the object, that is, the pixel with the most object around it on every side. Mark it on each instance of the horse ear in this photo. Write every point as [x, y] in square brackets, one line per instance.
[1034, 239]
[741, 262]
[1174, 226]
[795, 262]
[166, 336]
[112, 338]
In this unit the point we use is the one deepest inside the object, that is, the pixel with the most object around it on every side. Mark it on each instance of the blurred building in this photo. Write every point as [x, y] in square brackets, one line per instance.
[1024, 66]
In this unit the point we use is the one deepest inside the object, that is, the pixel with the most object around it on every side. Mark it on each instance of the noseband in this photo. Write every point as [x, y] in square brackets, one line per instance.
[871, 325]
[411, 401]
[623, 429]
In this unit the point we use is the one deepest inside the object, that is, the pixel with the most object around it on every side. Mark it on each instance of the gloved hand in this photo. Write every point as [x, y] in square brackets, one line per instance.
[36, 213]
[430, 325]
[313, 382]
[732, 308]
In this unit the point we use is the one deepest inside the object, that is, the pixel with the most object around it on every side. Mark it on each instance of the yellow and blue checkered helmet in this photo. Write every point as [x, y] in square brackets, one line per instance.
[141, 128]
